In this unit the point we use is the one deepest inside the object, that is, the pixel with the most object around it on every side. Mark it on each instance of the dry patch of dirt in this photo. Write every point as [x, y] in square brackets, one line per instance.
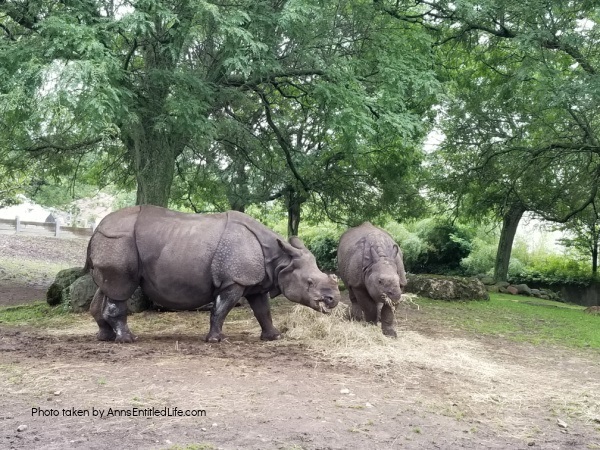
[327, 384]
[43, 249]
[421, 392]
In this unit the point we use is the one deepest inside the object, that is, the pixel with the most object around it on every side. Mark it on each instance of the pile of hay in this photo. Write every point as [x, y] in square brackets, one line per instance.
[364, 346]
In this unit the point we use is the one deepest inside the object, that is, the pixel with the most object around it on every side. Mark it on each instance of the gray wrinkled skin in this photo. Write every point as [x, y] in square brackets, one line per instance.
[370, 264]
[183, 261]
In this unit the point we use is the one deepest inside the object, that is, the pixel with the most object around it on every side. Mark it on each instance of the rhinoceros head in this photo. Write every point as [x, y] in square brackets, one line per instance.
[302, 281]
[384, 279]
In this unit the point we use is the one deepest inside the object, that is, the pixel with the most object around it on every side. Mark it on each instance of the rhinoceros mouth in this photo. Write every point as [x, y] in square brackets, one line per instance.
[321, 305]
[389, 301]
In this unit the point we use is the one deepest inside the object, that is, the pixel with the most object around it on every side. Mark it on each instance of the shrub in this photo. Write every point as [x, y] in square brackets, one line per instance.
[412, 246]
[447, 244]
[325, 250]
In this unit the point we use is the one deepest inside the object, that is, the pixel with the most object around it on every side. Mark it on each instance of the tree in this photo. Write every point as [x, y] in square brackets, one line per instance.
[585, 231]
[521, 122]
[147, 84]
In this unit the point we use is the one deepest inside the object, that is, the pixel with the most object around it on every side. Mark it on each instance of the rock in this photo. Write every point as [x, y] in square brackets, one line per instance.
[523, 289]
[344, 391]
[512, 290]
[138, 302]
[594, 310]
[446, 288]
[488, 281]
[545, 297]
[63, 279]
[503, 284]
[21, 428]
[80, 293]
[536, 293]
[561, 424]
[492, 288]
[503, 290]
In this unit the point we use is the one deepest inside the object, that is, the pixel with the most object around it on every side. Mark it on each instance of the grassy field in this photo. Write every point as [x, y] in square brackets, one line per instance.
[521, 319]
[524, 319]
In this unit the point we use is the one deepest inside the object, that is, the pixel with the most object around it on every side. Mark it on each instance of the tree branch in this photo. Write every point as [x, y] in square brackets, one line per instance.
[284, 143]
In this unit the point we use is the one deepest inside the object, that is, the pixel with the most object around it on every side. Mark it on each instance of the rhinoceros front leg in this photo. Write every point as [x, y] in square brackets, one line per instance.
[356, 312]
[368, 306]
[224, 302]
[262, 311]
[387, 321]
[111, 317]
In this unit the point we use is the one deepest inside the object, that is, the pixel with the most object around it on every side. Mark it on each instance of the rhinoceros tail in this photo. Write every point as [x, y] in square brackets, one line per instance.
[88, 260]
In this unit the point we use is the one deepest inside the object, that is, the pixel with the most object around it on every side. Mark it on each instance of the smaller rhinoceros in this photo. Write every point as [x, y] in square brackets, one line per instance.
[184, 261]
[370, 264]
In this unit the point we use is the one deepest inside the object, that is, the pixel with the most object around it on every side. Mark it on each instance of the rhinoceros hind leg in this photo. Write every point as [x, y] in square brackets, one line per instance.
[387, 321]
[262, 311]
[111, 317]
[105, 331]
[224, 302]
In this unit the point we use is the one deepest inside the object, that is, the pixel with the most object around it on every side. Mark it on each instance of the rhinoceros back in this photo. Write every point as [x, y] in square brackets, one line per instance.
[176, 252]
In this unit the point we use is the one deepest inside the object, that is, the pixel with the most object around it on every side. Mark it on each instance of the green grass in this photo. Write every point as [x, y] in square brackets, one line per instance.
[38, 314]
[524, 319]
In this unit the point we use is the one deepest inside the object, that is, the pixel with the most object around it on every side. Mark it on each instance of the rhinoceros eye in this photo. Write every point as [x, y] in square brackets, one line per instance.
[381, 281]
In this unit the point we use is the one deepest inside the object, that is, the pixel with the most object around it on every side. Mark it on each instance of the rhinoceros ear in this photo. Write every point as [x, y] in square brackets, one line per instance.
[288, 249]
[396, 250]
[297, 243]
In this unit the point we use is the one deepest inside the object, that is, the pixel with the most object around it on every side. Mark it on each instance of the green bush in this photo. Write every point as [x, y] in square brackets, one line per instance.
[410, 243]
[325, 250]
[447, 245]
[553, 269]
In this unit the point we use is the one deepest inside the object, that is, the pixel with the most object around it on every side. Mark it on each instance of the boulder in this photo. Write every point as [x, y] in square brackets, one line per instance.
[76, 289]
[512, 290]
[594, 310]
[488, 281]
[536, 293]
[446, 288]
[493, 288]
[523, 289]
[80, 294]
[64, 279]
[503, 284]
[138, 302]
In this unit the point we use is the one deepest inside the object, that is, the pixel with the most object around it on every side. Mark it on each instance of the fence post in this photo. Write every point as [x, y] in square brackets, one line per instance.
[17, 224]
[57, 229]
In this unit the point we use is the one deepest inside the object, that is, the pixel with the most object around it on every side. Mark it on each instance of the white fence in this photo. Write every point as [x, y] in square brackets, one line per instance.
[24, 227]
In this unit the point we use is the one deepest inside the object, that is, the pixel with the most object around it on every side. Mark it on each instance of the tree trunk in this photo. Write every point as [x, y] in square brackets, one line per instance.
[238, 192]
[153, 153]
[595, 259]
[510, 223]
[294, 207]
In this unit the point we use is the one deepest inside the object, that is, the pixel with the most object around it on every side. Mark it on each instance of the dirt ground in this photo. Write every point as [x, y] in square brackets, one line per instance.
[455, 390]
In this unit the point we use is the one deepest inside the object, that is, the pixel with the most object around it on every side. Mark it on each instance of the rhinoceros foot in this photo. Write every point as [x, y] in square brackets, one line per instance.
[270, 336]
[390, 333]
[214, 338]
[106, 335]
[125, 338]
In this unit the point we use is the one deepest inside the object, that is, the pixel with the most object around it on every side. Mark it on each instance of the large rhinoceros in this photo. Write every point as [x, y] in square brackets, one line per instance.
[183, 261]
[370, 265]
